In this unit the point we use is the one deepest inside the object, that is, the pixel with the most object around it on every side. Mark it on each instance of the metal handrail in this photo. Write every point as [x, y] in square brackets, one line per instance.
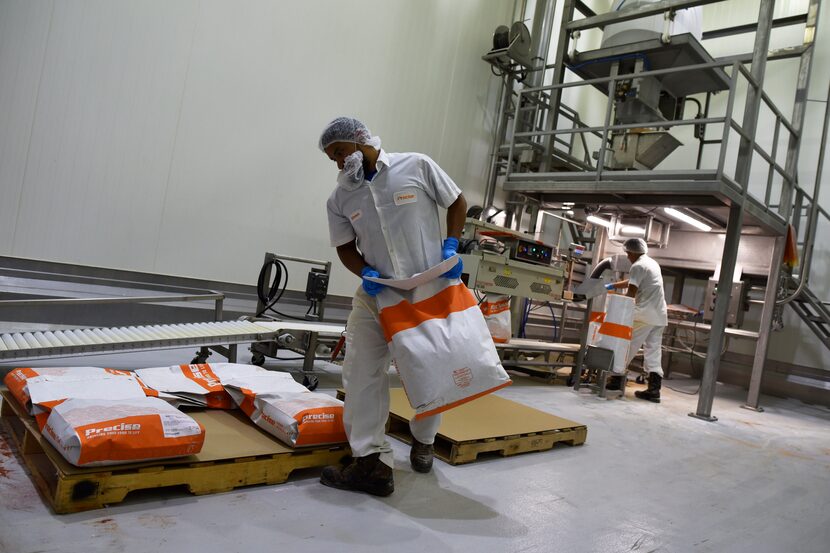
[812, 220]
[727, 120]
[218, 297]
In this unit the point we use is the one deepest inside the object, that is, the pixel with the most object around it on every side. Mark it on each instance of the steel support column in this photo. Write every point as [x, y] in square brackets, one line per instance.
[770, 295]
[736, 213]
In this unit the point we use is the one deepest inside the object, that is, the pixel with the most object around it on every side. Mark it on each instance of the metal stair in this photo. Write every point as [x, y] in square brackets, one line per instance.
[814, 313]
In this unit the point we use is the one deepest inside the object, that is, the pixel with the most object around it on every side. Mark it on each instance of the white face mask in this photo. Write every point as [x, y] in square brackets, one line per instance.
[353, 166]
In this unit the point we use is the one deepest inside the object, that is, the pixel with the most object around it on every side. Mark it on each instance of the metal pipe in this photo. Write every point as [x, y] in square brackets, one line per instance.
[540, 39]
[91, 301]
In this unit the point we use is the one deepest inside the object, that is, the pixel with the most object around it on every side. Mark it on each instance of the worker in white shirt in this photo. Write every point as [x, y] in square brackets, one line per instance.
[384, 221]
[645, 285]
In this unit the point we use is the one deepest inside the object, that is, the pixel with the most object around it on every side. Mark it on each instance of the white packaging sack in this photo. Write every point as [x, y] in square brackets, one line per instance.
[286, 409]
[615, 331]
[688, 20]
[441, 345]
[16, 380]
[93, 432]
[594, 323]
[48, 391]
[496, 311]
[197, 385]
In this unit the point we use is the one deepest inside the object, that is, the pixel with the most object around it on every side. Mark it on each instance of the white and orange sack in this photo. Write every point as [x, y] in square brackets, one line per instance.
[47, 391]
[17, 379]
[496, 311]
[286, 409]
[92, 432]
[193, 385]
[616, 329]
[441, 345]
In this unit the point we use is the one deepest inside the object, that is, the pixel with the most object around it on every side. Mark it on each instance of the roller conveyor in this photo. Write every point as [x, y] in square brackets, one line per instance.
[19, 346]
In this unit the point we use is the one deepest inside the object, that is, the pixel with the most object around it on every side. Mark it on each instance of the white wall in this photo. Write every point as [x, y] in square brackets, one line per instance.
[180, 137]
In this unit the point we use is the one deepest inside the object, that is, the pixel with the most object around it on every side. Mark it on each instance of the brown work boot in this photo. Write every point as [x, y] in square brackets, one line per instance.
[652, 393]
[420, 456]
[365, 474]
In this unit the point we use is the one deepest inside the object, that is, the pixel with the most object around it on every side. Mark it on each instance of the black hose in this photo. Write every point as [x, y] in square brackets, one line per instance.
[272, 295]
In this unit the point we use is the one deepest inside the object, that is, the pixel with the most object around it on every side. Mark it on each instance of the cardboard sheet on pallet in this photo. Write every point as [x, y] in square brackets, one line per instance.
[488, 425]
[486, 417]
[228, 435]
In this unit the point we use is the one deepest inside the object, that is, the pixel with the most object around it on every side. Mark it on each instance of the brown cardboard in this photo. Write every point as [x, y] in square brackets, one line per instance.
[489, 416]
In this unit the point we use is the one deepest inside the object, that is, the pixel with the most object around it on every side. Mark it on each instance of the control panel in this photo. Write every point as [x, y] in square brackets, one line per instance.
[531, 251]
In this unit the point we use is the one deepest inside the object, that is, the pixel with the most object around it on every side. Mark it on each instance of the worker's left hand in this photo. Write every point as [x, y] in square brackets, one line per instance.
[449, 249]
[610, 286]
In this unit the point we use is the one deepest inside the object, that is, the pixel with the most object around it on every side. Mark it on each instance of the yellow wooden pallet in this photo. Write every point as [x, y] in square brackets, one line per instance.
[235, 453]
[489, 424]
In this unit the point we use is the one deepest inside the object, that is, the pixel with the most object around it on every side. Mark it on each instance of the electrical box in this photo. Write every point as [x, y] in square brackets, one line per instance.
[737, 296]
[491, 272]
[317, 285]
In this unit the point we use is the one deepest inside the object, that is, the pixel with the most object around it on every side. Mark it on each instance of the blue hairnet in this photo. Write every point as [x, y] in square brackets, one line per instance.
[347, 129]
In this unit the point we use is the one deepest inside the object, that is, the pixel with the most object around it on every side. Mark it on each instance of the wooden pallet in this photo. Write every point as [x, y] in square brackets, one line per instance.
[487, 425]
[236, 453]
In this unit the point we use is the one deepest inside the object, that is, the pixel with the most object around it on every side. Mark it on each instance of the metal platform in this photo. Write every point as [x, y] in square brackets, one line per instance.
[683, 50]
[702, 189]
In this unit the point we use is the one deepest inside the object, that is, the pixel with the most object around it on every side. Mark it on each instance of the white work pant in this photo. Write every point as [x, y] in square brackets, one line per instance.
[651, 338]
[366, 380]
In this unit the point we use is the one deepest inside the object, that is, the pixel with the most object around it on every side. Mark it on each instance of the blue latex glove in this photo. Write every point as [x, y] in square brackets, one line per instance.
[449, 249]
[371, 288]
[609, 286]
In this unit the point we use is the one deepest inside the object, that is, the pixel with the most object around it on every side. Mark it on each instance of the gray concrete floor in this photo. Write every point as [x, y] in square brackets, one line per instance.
[649, 478]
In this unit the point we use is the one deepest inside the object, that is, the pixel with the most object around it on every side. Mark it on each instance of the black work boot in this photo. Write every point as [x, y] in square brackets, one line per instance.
[365, 474]
[420, 456]
[652, 393]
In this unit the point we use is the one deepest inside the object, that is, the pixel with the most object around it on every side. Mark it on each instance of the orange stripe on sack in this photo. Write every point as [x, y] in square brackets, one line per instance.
[133, 438]
[448, 406]
[615, 330]
[597, 317]
[16, 383]
[321, 425]
[405, 315]
[493, 308]
[248, 407]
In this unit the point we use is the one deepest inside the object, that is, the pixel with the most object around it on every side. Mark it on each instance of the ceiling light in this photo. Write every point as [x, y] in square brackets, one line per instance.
[599, 221]
[680, 216]
[632, 230]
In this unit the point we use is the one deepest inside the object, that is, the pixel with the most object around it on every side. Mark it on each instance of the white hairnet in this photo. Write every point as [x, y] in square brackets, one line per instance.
[635, 245]
[347, 129]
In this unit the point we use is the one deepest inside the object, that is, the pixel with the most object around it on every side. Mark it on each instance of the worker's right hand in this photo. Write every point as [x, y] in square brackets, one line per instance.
[610, 286]
[371, 288]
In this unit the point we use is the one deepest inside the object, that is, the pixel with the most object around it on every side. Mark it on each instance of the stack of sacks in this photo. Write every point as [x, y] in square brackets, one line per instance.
[286, 409]
[93, 432]
[195, 385]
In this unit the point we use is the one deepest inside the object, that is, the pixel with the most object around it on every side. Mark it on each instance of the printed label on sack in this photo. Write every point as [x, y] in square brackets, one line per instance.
[120, 429]
[462, 377]
[402, 198]
[356, 215]
[176, 425]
